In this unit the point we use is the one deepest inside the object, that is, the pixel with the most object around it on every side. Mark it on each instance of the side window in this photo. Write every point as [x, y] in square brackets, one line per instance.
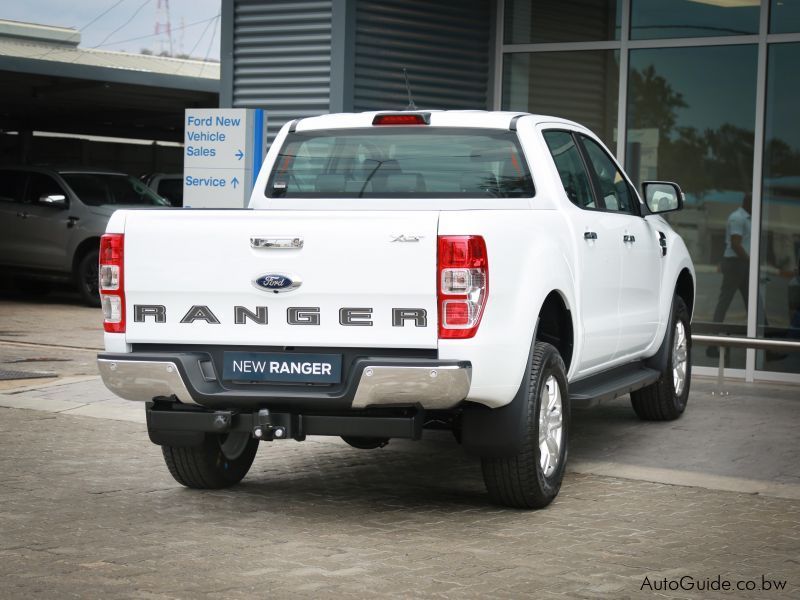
[42, 185]
[614, 189]
[570, 168]
[11, 186]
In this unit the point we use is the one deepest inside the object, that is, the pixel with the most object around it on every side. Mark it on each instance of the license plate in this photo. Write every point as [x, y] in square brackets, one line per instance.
[282, 367]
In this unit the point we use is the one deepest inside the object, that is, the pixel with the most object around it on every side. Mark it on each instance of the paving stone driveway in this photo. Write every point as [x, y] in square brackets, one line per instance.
[87, 510]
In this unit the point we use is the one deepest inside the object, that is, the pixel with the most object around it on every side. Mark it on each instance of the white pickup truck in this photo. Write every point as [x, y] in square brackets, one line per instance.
[399, 271]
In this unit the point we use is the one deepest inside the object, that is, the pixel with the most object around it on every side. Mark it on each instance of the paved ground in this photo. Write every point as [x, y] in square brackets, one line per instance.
[88, 510]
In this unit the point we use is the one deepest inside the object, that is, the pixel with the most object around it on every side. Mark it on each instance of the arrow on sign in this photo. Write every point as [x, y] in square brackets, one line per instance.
[234, 182]
[239, 155]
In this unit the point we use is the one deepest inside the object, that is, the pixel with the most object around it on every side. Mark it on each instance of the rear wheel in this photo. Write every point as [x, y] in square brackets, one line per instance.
[532, 478]
[665, 400]
[86, 278]
[219, 462]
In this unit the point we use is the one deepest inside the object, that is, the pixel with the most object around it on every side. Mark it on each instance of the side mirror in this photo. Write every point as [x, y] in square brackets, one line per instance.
[662, 196]
[54, 200]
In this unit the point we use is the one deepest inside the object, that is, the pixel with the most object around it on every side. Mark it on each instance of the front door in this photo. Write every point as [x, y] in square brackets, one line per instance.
[637, 242]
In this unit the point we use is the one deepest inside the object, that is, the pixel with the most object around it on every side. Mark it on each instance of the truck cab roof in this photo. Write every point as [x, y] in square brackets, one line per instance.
[437, 118]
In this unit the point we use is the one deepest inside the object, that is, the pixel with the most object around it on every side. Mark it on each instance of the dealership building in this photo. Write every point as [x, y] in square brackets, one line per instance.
[701, 92]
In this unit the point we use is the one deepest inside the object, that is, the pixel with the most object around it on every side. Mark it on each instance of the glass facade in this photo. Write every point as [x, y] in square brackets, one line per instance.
[582, 86]
[784, 16]
[691, 119]
[546, 21]
[689, 100]
[652, 19]
[779, 280]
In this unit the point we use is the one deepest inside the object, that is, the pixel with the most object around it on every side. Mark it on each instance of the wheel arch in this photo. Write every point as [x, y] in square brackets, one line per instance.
[684, 287]
[86, 246]
[554, 326]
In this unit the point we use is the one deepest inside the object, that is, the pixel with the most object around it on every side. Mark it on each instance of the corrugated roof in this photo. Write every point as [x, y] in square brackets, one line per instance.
[30, 41]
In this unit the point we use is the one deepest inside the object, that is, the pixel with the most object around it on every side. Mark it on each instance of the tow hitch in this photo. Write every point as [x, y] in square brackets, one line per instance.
[264, 429]
[172, 424]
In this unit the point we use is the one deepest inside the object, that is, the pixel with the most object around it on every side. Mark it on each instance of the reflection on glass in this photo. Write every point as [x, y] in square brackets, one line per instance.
[538, 21]
[691, 115]
[581, 86]
[784, 16]
[779, 281]
[693, 18]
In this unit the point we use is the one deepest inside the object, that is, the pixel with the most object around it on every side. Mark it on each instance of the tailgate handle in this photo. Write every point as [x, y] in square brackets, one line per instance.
[278, 243]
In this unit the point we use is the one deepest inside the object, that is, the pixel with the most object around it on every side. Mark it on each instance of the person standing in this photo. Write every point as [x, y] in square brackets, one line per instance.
[735, 266]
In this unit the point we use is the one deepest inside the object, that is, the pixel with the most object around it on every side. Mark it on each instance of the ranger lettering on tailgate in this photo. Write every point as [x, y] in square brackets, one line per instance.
[295, 315]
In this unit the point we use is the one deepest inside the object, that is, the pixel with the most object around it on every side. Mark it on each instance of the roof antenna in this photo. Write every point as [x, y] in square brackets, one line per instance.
[411, 105]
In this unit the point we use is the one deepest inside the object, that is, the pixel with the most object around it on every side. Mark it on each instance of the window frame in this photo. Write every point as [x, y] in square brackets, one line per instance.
[592, 189]
[595, 178]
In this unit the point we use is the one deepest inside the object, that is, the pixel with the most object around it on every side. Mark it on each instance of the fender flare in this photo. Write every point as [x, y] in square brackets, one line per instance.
[497, 432]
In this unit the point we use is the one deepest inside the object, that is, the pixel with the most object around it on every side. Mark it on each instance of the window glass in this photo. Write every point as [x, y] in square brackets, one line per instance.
[11, 186]
[570, 168]
[537, 21]
[95, 189]
[693, 18]
[171, 188]
[691, 120]
[401, 162]
[40, 185]
[784, 16]
[614, 190]
[779, 256]
[581, 86]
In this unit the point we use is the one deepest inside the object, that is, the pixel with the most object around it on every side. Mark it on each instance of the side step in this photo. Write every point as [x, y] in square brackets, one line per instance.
[611, 384]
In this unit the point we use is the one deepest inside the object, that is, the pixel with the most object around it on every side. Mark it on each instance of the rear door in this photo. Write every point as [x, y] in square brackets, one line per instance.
[358, 278]
[599, 273]
[44, 230]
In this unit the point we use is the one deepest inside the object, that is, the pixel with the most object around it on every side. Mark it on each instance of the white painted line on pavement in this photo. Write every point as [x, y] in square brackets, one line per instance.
[687, 479]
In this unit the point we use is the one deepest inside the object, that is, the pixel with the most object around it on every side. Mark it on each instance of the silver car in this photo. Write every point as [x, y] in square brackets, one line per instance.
[51, 222]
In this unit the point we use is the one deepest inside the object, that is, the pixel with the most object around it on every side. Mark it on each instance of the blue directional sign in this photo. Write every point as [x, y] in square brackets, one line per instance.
[223, 150]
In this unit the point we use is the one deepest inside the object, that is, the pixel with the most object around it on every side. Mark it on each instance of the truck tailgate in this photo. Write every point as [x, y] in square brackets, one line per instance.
[349, 260]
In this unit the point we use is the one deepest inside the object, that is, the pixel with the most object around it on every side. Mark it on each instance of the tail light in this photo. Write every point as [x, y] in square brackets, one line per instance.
[112, 282]
[463, 284]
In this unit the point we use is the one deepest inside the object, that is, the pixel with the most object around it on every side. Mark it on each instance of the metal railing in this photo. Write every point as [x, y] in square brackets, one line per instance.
[725, 341]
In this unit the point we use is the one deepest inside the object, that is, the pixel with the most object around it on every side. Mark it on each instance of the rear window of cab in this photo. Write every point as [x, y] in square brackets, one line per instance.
[401, 162]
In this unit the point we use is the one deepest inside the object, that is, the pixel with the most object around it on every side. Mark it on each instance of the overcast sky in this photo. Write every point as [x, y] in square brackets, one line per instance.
[128, 25]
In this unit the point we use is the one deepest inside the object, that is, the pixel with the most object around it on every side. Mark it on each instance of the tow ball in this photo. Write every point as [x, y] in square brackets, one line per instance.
[264, 429]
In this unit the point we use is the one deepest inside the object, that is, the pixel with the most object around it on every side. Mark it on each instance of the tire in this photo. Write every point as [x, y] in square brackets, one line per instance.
[665, 400]
[219, 462]
[86, 278]
[365, 443]
[532, 479]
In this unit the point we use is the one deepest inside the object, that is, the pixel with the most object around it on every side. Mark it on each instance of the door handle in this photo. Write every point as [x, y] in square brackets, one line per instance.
[71, 222]
[590, 235]
[628, 239]
[23, 215]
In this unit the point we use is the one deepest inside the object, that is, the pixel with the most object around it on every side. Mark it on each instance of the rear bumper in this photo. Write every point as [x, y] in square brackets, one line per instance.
[371, 382]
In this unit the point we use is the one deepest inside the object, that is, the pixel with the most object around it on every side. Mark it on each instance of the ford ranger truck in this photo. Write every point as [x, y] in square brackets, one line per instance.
[397, 272]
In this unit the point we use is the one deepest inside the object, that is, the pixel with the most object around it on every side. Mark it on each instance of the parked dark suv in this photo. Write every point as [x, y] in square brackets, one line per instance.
[51, 222]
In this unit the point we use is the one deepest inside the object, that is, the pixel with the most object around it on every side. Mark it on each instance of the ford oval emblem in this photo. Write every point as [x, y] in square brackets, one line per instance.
[277, 282]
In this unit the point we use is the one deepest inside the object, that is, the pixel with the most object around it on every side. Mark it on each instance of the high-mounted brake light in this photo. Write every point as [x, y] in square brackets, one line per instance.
[112, 282]
[463, 284]
[402, 119]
